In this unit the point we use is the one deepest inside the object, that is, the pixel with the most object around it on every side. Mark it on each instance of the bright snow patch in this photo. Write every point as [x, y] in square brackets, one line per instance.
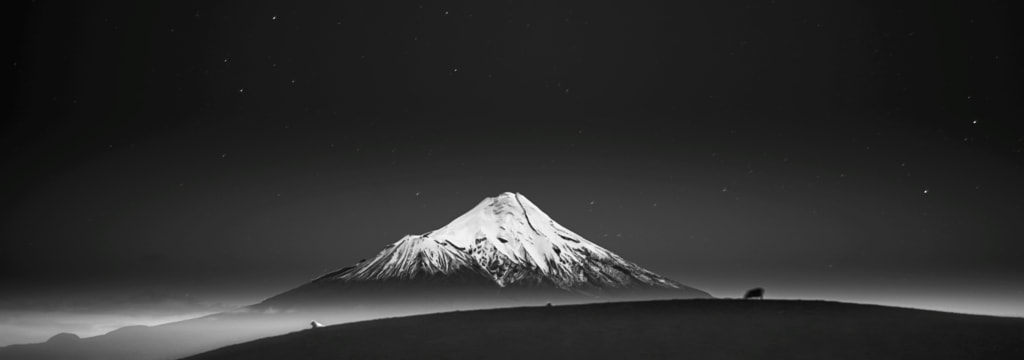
[509, 239]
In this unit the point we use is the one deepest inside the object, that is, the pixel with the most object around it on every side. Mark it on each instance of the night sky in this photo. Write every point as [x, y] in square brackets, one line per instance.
[166, 160]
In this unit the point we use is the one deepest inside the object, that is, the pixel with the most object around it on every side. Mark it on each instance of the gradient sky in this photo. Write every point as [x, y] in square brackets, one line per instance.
[166, 160]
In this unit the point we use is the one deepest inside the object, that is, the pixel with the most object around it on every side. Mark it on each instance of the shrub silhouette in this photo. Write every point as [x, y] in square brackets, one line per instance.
[755, 293]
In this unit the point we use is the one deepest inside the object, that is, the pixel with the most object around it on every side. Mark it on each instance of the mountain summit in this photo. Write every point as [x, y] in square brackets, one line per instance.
[505, 243]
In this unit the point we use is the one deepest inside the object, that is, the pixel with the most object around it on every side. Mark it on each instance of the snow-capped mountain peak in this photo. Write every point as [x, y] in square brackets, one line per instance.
[509, 240]
[516, 228]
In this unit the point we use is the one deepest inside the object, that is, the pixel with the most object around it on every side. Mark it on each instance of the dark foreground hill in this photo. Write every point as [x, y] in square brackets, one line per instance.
[696, 329]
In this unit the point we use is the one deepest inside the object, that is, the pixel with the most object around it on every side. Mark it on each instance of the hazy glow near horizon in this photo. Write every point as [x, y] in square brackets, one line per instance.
[20, 327]
[25, 327]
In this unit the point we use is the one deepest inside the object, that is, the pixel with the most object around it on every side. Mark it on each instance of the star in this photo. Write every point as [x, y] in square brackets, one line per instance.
[925, 191]
[273, 17]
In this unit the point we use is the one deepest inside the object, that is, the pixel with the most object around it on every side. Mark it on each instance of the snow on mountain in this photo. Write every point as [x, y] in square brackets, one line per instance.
[509, 240]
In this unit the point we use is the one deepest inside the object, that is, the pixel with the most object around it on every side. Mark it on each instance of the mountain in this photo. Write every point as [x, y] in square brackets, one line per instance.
[676, 329]
[503, 252]
[505, 247]
[509, 240]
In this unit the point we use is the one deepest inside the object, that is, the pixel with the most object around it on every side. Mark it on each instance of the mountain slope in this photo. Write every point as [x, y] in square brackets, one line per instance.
[679, 329]
[505, 245]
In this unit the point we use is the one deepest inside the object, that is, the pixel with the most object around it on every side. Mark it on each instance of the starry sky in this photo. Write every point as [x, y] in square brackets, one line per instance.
[167, 160]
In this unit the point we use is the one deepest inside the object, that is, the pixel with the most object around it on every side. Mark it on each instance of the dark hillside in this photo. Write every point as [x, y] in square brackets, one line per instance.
[702, 329]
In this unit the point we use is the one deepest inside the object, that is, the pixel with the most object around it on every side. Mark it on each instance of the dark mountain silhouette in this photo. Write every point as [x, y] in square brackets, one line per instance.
[63, 338]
